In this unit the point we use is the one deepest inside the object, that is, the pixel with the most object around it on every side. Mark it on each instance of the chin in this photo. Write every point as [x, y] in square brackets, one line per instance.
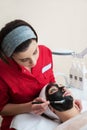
[31, 66]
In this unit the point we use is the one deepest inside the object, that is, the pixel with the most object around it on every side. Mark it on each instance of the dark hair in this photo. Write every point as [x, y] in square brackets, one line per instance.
[8, 28]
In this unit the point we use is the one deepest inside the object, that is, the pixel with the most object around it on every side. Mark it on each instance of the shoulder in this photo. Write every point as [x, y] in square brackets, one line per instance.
[45, 49]
[1, 63]
[3, 67]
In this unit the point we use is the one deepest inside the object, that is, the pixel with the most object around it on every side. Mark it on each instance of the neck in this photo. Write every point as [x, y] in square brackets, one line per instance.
[29, 69]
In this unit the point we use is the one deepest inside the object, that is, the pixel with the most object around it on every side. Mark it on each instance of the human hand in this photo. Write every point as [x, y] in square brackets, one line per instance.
[66, 91]
[78, 103]
[39, 108]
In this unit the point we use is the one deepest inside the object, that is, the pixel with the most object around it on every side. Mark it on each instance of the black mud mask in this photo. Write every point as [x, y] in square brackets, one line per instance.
[58, 96]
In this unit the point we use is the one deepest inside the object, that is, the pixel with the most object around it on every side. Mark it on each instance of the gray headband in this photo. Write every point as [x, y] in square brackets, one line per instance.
[16, 37]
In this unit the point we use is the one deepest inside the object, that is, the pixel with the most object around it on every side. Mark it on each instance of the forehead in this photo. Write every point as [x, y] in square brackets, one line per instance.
[29, 52]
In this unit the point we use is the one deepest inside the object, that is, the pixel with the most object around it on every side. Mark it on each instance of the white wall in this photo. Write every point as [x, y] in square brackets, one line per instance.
[59, 23]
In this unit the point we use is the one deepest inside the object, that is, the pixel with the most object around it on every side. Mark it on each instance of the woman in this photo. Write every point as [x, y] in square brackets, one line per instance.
[25, 68]
[63, 106]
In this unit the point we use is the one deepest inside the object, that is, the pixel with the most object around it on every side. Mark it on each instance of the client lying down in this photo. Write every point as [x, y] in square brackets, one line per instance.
[63, 106]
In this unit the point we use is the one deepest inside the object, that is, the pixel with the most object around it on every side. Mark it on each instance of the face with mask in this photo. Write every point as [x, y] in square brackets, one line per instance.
[55, 93]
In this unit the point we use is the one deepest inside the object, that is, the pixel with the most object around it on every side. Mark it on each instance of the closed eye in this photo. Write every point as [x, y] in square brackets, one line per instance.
[25, 60]
[53, 90]
[28, 59]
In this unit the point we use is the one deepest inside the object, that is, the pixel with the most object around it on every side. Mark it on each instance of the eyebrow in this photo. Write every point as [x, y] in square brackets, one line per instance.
[29, 58]
[24, 59]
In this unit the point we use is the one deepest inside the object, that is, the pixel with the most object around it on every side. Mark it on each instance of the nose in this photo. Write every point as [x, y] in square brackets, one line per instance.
[33, 61]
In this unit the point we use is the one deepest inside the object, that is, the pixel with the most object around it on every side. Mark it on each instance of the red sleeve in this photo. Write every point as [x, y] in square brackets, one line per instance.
[3, 94]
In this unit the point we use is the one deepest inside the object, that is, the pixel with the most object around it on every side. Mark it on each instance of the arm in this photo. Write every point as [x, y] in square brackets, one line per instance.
[14, 109]
[8, 109]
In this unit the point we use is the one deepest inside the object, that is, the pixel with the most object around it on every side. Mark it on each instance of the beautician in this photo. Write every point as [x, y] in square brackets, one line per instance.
[25, 68]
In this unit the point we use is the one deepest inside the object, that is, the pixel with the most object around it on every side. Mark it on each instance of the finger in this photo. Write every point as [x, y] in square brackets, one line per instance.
[60, 85]
[67, 93]
[38, 112]
[78, 102]
[39, 99]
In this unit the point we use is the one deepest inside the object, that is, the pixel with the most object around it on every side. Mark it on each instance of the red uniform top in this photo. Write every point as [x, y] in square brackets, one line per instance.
[18, 85]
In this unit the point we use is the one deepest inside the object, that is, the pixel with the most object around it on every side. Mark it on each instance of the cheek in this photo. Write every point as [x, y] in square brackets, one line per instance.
[22, 63]
[37, 56]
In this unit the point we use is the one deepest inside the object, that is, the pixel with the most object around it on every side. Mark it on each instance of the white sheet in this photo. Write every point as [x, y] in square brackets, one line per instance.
[76, 123]
[32, 122]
